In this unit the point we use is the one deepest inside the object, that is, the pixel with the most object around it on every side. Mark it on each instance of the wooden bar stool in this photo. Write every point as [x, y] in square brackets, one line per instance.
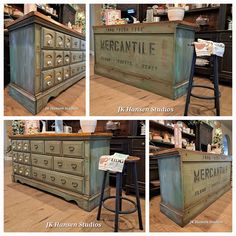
[118, 197]
[191, 85]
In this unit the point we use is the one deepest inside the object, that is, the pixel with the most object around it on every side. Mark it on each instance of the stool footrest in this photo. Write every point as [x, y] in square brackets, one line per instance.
[132, 210]
[203, 97]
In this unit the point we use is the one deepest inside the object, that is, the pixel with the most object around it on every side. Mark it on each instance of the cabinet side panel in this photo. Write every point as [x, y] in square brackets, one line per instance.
[22, 57]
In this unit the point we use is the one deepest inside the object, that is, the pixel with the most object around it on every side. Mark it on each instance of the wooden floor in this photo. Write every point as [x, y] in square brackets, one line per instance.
[107, 95]
[71, 103]
[27, 209]
[220, 212]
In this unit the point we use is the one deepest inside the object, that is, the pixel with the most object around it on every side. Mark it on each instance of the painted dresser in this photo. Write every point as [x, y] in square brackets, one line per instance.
[63, 164]
[151, 56]
[46, 58]
[191, 181]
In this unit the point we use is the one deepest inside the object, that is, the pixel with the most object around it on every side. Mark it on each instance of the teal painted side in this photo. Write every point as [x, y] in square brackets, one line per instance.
[171, 182]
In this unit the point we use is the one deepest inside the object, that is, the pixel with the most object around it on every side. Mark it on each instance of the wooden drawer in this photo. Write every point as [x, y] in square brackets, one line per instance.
[59, 40]
[73, 148]
[13, 145]
[37, 146]
[14, 156]
[75, 43]
[67, 41]
[53, 147]
[25, 145]
[48, 38]
[225, 37]
[48, 79]
[19, 145]
[21, 157]
[76, 57]
[38, 173]
[27, 160]
[48, 59]
[138, 143]
[66, 72]
[73, 183]
[58, 58]
[69, 165]
[42, 161]
[77, 68]
[21, 169]
[82, 44]
[58, 73]
[15, 168]
[66, 57]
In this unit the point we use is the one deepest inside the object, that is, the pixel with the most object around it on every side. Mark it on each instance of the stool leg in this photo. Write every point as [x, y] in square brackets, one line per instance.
[137, 196]
[216, 84]
[190, 84]
[120, 194]
[118, 180]
[102, 194]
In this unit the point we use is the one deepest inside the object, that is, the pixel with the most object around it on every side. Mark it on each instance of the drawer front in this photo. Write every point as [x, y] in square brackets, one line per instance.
[67, 41]
[82, 44]
[21, 157]
[53, 147]
[84, 56]
[19, 145]
[66, 72]
[42, 161]
[58, 73]
[59, 40]
[76, 57]
[77, 68]
[73, 148]
[39, 174]
[21, 169]
[69, 165]
[25, 145]
[58, 58]
[37, 146]
[48, 79]
[48, 38]
[27, 160]
[75, 43]
[73, 183]
[138, 144]
[48, 59]
[13, 145]
[82, 67]
[66, 57]
[27, 171]
[226, 37]
[15, 156]
[15, 168]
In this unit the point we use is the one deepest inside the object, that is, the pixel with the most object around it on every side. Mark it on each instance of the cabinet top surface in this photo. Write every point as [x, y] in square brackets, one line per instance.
[193, 155]
[153, 24]
[59, 135]
[40, 16]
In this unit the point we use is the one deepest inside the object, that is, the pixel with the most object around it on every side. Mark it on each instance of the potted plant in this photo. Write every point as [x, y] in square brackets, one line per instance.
[176, 13]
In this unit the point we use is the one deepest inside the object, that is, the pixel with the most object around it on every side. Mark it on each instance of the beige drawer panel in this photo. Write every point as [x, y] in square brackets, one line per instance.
[14, 156]
[48, 79]
[21, 169]
[66, 57]
[27, 160]
[66, 72]
[37, 146]
[58, 73]
[58, 58]
[21, 157]
[42, 161]
[13, 145]
[38, 173]
[82, 44]
[69, 165]
[19, 145]
[15, 168]
[53, 147]
[47, 59]
[59, 40]
[77, 68]
[75, 43]
[74, 183]
[27, 171]
[76, 57]
[73, 148]
[67, 42]
[25, 146]
[48, 38]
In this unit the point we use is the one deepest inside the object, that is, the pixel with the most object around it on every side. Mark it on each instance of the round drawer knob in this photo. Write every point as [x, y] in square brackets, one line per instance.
[52, 178]
[74, 184]
[49, 63]
[49, 42]
[67, 59]
[59, 61]
[60, 43]
[67, 75]
[63, 181]
[49, 83]
[59, 78]
[26, 173]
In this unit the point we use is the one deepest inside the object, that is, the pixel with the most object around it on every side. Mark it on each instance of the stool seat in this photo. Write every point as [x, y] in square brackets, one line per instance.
[132, 159]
